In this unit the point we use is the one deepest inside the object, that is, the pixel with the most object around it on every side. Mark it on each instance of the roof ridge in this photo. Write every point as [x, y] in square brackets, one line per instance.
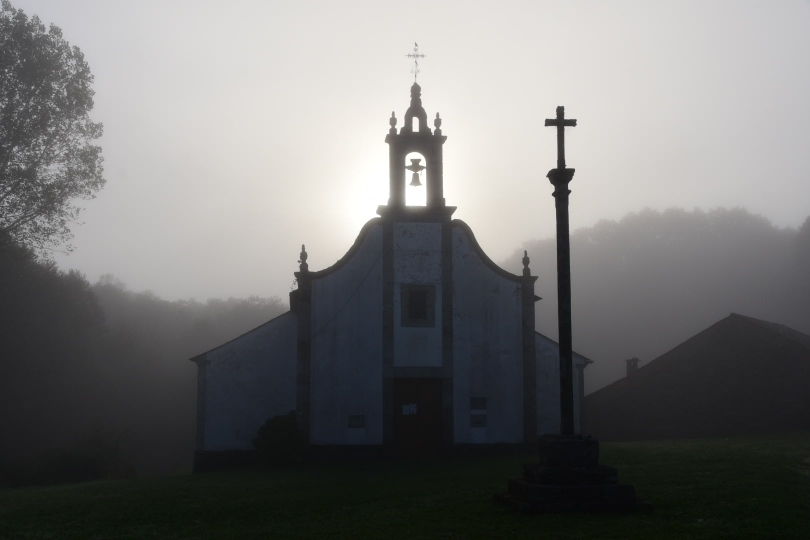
[783, 330]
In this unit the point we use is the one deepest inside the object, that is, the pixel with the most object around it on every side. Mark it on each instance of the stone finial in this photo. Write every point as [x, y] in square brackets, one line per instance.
[416, 96]
[526, 271]
[438, 124]
[393, 122]
[304, 267]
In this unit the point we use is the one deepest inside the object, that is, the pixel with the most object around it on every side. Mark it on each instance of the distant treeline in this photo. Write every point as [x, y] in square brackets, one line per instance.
[646, 283]
[94, 379]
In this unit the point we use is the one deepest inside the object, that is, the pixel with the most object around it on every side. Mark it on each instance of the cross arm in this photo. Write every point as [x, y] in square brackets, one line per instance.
[557, 122]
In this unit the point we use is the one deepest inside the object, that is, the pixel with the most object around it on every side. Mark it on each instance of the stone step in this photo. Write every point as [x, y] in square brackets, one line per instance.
[539, 474]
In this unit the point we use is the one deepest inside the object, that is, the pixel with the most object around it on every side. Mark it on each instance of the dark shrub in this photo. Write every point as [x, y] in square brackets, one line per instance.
[278, 441]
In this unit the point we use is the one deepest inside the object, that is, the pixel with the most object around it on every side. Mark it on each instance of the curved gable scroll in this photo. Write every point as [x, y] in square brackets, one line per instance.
[485, 258]
[349, 254]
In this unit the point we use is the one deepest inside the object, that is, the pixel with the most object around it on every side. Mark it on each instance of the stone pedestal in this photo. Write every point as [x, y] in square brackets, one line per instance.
[568, 478]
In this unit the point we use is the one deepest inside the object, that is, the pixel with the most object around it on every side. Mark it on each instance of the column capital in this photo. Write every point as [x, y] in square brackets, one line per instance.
[560, 176]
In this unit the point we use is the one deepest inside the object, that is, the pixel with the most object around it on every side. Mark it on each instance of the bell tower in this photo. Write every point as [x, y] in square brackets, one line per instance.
[415, 136]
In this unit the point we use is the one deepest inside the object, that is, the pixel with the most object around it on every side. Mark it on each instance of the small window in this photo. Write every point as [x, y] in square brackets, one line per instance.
[418, 305]
[409, 409]
[357, 421]
[478, 412]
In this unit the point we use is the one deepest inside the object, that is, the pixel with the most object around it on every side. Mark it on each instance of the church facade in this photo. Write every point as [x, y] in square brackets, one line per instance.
[414, 342]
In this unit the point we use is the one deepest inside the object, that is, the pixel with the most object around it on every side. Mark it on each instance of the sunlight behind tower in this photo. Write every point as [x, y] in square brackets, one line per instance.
[365, 190]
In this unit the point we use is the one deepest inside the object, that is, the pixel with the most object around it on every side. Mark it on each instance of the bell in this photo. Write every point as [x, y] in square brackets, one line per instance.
[416, 167]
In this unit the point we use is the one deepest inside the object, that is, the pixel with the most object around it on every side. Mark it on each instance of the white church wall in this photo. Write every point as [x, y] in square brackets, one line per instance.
[578, 398]
[247, 381]
[346, 365]
[488, 350]
[548, 386]
[417, 260]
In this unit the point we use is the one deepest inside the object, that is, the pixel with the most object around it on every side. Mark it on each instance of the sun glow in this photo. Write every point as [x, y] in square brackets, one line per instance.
[367, 190]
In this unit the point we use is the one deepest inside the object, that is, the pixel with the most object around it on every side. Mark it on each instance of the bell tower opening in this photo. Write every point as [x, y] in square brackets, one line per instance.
[415, 190]
[415, 124]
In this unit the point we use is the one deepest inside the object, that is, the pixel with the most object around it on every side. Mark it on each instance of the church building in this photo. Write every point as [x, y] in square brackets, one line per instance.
[415, 342]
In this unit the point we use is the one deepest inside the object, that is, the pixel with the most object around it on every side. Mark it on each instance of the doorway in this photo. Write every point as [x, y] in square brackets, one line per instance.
[417, 417]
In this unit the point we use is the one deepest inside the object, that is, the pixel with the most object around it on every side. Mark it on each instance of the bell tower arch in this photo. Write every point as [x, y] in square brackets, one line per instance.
[423, 141]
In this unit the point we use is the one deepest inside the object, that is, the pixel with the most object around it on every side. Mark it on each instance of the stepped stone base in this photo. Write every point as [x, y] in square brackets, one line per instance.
[568, 478]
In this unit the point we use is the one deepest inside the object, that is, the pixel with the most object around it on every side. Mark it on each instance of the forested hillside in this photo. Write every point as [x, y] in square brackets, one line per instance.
[646, 283]
[100, 371]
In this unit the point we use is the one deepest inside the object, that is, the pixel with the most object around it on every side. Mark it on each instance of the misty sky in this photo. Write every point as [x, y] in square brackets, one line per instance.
[236, 131]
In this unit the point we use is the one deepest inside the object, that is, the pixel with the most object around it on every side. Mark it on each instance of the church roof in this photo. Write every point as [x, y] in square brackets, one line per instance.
[201, 357]
[556, 344]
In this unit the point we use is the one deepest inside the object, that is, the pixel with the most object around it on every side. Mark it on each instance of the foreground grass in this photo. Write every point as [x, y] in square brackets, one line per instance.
[736, 489]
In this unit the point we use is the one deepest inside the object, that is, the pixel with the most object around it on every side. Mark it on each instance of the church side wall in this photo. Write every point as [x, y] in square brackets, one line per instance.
[579, 386]
[548, 386]
[487, 349]
[418, 261]
[346, 365]
[247, 381]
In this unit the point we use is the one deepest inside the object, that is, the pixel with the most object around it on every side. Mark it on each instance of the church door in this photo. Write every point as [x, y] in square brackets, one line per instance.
[417, 417]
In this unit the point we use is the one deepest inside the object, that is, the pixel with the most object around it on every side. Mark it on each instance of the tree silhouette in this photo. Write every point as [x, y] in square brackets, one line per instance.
[47, 159]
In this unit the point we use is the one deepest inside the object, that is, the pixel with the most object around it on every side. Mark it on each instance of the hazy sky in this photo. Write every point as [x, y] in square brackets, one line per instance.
[236, 131]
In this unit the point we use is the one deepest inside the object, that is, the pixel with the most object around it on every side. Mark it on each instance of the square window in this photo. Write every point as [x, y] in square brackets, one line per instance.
[418, 305]
[478, 420]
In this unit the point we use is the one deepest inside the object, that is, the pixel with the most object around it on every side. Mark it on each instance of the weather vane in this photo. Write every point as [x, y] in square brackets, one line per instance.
[416, 56]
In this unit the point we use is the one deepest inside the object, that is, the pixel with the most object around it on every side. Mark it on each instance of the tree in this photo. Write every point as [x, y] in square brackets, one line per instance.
[47, 159]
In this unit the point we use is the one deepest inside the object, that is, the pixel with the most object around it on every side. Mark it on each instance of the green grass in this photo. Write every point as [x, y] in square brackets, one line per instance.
[739, 488]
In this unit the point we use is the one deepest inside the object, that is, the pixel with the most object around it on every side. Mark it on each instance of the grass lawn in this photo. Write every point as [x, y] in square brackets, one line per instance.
[738, 488]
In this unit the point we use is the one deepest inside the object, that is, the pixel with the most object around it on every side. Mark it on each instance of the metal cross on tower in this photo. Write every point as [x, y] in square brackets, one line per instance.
[416, 56]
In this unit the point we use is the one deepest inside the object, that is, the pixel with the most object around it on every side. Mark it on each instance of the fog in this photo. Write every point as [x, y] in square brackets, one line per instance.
[235, 133]
[650, 281]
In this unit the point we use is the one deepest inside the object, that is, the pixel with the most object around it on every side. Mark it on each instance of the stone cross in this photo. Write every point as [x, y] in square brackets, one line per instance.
[416, 56]
[560, 177]
[561, 123]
